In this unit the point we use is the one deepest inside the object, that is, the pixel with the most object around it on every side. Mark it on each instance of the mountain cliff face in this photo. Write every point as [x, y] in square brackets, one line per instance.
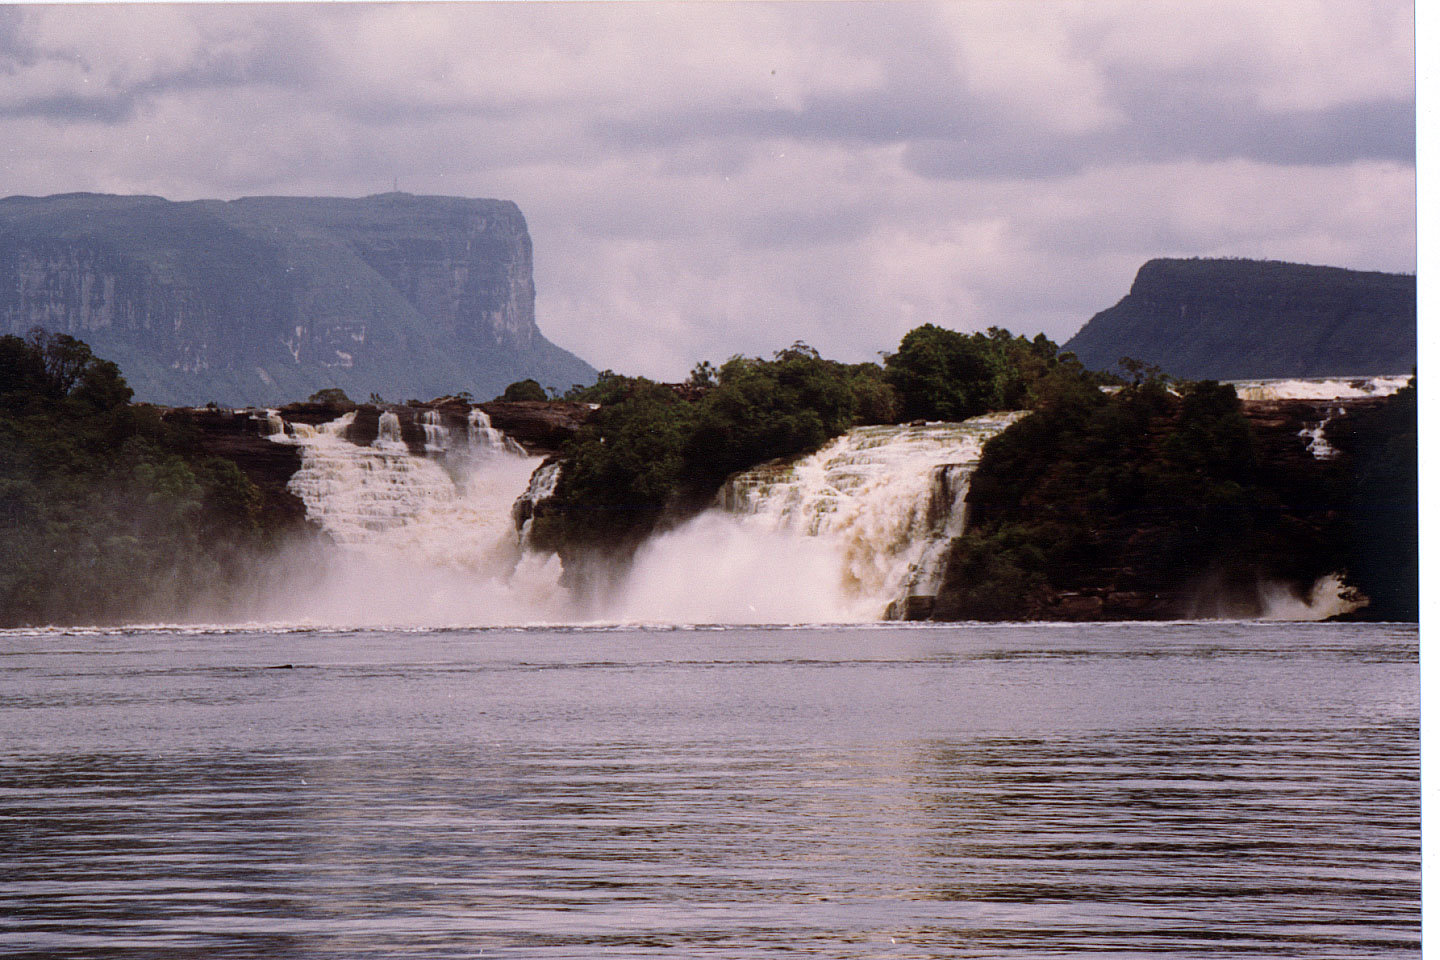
[1249, 319]
[267, 299]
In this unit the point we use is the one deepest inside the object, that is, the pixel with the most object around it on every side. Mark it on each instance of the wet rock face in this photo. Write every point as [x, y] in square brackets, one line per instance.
[539, 426]
[268, 299]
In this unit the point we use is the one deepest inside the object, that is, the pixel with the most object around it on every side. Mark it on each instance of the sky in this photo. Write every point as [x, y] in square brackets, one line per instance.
[707, 179]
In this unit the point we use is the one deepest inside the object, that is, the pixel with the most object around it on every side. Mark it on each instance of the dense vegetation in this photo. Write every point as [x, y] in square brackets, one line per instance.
[1154, 502]
[528, 390]
[1382, 531]
[105, 511]
[655, 453]
[1130, 500]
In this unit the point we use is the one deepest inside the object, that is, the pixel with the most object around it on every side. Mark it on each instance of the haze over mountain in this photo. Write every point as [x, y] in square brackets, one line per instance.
[1235, 319]
[267, 299]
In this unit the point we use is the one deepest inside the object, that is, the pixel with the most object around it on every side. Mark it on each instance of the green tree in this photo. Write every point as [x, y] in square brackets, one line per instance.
[942, 375]
[524, 390]
[333, 396]
[106, 512]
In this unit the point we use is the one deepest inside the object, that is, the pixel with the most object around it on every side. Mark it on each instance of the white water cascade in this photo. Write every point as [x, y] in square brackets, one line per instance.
[1316, 443]
[484, 437]
[357, 493]
[423, 540]
[437, 438]
[855, 532]
[1319, 388]
[389, 437]
[835, 536]
[1335, 389]
[541, 487]
[839, 535]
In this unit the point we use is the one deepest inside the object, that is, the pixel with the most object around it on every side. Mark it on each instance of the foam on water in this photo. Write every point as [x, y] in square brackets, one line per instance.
[1331, 388]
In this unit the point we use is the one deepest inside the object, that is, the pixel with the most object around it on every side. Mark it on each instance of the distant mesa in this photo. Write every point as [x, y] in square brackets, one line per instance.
[268, 299]
[1256, 319]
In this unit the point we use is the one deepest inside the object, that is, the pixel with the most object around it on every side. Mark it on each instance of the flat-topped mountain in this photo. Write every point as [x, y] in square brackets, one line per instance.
[1256, 319]
[267, 299]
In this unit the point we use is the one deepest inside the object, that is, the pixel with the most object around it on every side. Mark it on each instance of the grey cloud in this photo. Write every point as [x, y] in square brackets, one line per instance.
[994, 157]
[950, 135]
[1167, 127]
[104, 108]
[1161, 130]
[279, 57]
[805, 228]
[15, 49]
[871, 118]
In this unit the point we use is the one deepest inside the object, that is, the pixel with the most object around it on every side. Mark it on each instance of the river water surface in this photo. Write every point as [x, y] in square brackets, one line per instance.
[1195, 790]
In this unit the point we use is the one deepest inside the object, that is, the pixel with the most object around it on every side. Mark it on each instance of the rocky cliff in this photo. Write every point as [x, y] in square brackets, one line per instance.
[267, 299]
[1249, 319]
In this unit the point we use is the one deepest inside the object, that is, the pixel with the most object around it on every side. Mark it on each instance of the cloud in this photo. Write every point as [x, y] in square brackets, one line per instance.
[112, 63]
[1161, 127]
[702, 179]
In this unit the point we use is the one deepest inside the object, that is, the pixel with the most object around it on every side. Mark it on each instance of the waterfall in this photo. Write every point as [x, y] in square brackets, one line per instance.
[485, 438]
[855, 530]
[1319, 388]
[271, 424]
[419, 540]
[1316, 443]
[390, 437]
[847, 533]
[541, 487]
[437, 437]
[357, 493]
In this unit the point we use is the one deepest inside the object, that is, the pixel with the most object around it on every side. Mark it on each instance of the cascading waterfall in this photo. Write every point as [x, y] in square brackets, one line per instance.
[846, 533]
[357, 493]
[422, 539]
[486, 438]
[1333, 388]
[437, 437]
[1321, 389]
[838, 535]
[1316, 444]
[273, 423]
[541, 487]
[390, 436]
[857, 531]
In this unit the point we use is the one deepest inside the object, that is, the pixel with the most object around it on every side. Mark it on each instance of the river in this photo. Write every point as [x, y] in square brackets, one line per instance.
[1134, 790]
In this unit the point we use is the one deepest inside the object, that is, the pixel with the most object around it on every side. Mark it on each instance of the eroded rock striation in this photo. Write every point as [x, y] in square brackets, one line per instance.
[268, 299]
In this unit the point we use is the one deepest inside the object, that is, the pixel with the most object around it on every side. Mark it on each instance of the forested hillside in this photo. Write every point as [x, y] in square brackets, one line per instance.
[106, 512]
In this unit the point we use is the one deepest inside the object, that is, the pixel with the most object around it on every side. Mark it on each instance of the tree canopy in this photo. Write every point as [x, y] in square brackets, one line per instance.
[104, 512]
